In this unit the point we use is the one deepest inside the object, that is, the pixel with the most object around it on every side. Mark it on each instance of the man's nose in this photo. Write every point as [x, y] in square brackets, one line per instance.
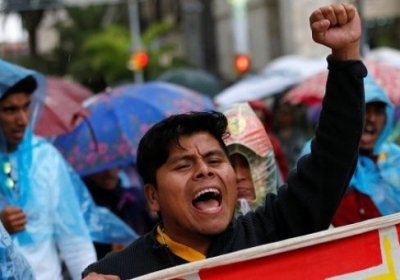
[371, 116]
[203, 170]
[239, 173]
[22, 118]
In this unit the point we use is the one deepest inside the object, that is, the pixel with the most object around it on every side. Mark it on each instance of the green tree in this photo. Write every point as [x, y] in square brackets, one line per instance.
[82, 23]
[31, 16]
[31, 21]
[95, 46]
[104, 55]
[103, 58]
[162, 52]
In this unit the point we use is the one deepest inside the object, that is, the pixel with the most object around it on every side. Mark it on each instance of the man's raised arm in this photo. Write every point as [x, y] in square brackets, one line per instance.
[315, 190]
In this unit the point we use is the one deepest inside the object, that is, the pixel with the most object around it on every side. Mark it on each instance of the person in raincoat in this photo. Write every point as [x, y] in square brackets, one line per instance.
[13, 264]
[375, 186]
[43, 204]
[252, 157]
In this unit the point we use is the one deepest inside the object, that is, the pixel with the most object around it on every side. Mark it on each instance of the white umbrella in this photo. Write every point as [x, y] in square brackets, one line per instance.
[385, 55]
[279, 75]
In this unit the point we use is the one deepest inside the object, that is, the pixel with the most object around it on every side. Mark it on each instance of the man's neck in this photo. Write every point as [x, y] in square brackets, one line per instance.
[199, 243]
[11, 148]
[182, 250]
[368, 153]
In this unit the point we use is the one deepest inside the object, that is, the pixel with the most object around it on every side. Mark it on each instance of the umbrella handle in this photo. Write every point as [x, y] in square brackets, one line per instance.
[75, 118]
[91, 130]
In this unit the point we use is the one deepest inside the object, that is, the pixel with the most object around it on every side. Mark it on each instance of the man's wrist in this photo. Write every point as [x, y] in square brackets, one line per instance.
[350, 52]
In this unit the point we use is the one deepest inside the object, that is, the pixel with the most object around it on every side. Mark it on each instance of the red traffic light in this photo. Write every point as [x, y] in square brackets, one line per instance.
[138, 61]
[242, 63]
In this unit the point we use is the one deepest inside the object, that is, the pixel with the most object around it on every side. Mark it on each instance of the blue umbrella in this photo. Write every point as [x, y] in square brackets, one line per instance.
[118, 119]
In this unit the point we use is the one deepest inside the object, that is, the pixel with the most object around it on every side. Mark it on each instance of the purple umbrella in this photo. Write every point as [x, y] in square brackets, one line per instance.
[117, 120]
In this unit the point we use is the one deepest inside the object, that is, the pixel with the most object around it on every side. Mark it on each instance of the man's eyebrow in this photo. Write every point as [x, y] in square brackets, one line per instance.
[177, 158]
[9, 106]
[214, 153]
[12, 106]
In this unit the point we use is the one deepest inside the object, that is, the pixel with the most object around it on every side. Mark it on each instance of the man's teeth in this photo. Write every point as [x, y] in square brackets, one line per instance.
[369, 128]
[213, 190]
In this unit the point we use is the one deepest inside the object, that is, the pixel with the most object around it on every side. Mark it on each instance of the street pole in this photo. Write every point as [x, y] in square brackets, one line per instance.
[240, 27]
[364, 35]
[134, 26]
[240, 33]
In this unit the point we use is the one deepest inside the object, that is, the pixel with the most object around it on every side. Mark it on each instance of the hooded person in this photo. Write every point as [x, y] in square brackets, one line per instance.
[44, 205]
[376, 182]
[252, 157]
[375, 186]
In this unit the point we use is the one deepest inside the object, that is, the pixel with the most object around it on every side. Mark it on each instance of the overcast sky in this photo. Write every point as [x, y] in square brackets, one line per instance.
[11, 29]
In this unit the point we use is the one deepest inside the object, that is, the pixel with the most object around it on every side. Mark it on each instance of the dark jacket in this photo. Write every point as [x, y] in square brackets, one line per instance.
[304, 205]
[128, 204]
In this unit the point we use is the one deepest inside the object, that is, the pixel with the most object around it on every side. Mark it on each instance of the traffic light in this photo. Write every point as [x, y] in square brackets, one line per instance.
[242, 63]
[138, 61]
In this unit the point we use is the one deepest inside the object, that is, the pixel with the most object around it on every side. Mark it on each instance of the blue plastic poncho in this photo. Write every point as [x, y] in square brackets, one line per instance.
[380, 180]
[13, 264]
[52, 195]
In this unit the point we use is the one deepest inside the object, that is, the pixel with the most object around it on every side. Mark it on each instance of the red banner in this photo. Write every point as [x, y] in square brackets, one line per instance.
[368, 250]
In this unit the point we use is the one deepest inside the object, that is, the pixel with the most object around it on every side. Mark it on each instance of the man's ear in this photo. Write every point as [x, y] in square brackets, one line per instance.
[151, 194]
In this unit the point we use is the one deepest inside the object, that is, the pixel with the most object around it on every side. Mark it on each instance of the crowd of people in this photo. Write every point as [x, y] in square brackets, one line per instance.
[218, 182]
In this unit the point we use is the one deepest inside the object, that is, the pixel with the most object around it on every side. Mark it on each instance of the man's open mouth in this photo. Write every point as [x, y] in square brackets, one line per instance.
[370, 129]
[207, 200]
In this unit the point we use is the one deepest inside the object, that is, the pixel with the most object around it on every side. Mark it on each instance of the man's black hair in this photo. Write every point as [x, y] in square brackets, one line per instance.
[153, 150]
[27, 85]
[378, 103]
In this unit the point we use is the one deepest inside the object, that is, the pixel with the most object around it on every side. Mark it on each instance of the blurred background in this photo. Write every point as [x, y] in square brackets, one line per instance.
[227, 50]
[100, 43]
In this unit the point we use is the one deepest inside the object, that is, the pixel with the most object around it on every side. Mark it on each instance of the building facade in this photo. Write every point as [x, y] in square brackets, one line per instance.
[280, 27]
